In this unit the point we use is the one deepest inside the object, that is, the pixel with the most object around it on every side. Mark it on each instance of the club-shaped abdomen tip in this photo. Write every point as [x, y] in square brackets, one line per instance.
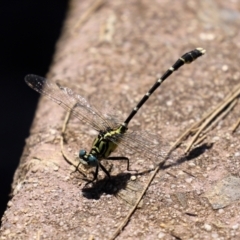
[201, 50]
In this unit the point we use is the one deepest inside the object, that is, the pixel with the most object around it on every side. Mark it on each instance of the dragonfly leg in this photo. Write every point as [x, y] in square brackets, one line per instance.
[77, 166]
[105, 170]
[95, 174]
[120, 158]
[94, 177]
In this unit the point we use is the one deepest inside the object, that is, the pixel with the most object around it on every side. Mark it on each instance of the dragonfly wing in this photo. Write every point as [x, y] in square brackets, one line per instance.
[69, 100]
[144, 143]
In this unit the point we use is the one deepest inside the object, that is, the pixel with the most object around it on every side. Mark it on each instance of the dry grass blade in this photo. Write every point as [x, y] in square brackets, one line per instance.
[64, 127]
[200, 139]
[235, 126]
[86, 15]
[65, 123]
[209, 120]
[217, 114]
[192, 130]
[221, 116]
[125, 221]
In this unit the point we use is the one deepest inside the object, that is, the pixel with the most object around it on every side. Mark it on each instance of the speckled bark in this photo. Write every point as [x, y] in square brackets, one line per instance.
[113, 55]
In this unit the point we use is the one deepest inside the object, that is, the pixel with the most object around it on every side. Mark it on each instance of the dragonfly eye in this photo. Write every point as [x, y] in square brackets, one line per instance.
[87, 159]
[92, 160]
[82, 153]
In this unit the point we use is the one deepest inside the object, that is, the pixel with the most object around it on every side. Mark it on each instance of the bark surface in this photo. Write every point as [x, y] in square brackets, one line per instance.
[111, 52]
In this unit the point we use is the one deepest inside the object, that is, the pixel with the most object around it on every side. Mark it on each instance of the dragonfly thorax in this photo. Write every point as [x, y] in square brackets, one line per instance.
[102, 146]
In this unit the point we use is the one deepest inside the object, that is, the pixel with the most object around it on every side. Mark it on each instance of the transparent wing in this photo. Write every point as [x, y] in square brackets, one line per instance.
[144, 143]
[69, 100]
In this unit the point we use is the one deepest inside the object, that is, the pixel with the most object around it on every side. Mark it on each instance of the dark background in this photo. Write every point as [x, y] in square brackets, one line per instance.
[28, 33]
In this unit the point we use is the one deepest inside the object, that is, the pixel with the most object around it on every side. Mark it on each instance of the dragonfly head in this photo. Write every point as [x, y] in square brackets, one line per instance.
[87, 159]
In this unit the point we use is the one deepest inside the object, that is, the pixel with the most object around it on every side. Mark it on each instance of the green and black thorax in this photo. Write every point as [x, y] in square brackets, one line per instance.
[103, 145]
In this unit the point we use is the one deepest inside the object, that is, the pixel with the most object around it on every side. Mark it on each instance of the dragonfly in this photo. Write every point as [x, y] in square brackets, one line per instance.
[111, 132]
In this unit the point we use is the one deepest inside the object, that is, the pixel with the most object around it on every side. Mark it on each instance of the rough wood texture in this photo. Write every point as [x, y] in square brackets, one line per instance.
[112, 52]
